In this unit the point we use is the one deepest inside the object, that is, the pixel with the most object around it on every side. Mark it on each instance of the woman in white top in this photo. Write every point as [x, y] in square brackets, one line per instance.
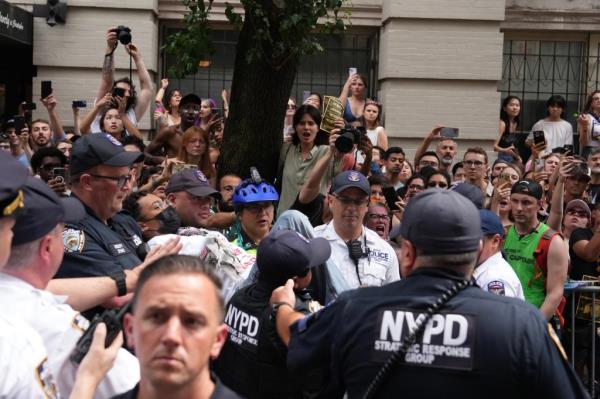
[557, 131]
[375, 131]
[588, 123]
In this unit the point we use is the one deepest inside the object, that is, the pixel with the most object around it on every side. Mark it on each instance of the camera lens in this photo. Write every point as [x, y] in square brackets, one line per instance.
[345, 142]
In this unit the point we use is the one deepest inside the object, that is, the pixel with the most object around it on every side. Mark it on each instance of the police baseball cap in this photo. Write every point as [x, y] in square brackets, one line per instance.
[100, 149]
[470, 191]
[13, 176]
[441, 222]
[190, 98]
[528, 187]
[490, 223]
[283, 254]
[44, 210]
[192, 181]
[349, 179]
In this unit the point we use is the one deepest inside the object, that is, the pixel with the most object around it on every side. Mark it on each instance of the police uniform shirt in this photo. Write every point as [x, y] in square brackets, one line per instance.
[93, 248]
[378, 268]
[478, 345]
[60, 327]
[24, 371]
[495, 275]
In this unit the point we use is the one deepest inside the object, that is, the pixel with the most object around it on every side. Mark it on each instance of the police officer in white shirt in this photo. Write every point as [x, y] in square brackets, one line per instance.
[361, 256]
[36, 254]
[493, 273]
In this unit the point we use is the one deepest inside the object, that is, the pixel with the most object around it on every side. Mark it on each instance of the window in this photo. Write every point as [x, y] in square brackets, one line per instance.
[534, 70]
[325, 72]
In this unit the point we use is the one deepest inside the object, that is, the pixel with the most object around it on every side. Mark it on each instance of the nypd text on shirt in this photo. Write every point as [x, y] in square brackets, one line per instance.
[243, 328]
[446, 342]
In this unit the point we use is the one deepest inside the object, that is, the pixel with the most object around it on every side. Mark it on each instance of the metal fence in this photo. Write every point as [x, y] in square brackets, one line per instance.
[325, 72]
[534, 70]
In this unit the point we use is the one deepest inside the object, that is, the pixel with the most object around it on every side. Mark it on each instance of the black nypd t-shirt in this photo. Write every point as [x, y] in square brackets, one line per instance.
[581, 267]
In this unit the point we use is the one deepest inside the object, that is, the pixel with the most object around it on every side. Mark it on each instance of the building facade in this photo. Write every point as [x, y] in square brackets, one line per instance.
[430, 62]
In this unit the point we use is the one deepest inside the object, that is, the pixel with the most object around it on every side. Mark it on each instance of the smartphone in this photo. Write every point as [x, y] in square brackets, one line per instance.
[118, 92]
[178, 167]
[449, 132]
[215, 110]
[538, 137]
[19, 123]
[46, 88]
[504, 178]
[305, 95]
[352, 71]
[79, 104]
[59, 174]
[391, 197]
[29, 106]
[159, 107]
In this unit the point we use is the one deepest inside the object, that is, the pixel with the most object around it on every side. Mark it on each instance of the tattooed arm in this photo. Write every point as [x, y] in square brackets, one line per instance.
[108, 66]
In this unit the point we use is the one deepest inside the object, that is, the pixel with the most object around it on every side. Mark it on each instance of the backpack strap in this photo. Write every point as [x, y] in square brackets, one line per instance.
[541, 255]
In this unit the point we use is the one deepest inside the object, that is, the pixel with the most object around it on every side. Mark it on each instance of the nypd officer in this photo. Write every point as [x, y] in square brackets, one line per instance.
[252, 361]
[103, 243]
[469, 343]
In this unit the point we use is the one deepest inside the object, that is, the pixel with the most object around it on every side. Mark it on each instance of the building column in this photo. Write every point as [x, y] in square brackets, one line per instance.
[440, 61]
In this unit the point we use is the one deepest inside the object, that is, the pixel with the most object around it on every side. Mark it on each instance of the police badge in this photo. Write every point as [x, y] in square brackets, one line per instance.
[200, 176]
[354, 176]
[73, 240]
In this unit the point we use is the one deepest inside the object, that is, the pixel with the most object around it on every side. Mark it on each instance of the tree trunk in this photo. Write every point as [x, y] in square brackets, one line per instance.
[254, 130]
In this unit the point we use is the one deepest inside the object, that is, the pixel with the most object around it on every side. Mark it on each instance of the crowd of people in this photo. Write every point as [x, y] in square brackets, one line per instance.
[233, 286]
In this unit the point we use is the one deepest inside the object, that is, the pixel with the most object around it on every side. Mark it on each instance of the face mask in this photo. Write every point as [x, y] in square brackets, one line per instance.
[169, 221]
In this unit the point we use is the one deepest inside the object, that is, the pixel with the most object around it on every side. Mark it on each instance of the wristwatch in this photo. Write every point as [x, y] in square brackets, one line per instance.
[119, 278]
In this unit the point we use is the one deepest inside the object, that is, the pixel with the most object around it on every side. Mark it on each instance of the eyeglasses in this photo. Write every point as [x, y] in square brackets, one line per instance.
[121, 180]
[473, 163]
[416, 187]
[257, 207]
[347, 200]
[375, 216]
[190, 111]
[439, 184]
[50, 166]
[581, 214]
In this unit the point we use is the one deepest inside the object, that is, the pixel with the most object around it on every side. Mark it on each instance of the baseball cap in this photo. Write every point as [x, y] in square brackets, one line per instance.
[490, 223]
[192, 181]
[441, 222]
[577, 203]
[471, 192]
[13, 176]
[100, 149]
[190, 98]
[283, 254]
[528, 187]
[44, 211]
[350, 178]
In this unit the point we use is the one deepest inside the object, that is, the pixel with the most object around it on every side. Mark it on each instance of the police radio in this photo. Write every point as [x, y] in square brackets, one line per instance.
[112, 319]
[356, 253]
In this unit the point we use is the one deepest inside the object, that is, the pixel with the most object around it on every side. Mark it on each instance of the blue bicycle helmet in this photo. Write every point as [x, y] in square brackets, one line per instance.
[254, 190]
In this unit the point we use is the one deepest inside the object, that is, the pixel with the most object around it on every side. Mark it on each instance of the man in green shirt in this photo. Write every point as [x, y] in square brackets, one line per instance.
[541, 289]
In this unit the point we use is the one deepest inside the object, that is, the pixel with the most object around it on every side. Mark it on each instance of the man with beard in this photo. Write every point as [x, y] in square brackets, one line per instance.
[594, 186]
[378, 220]
[394, 160]
[362, 257]
[227, 185]
[445, 149]
[541, 289]
[41, 134]
[168, 140]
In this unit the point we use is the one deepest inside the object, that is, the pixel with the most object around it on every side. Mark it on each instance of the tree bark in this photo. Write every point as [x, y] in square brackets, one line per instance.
[254, 130]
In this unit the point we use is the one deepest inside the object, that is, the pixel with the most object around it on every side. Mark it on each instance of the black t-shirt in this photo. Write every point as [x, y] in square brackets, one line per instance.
[469, 349]
[593, 194]
[220, 392]
[313, 210]
[580, 267]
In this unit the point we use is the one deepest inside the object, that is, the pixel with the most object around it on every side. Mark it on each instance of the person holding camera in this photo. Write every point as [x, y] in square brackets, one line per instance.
[49, 164]
[362, 257]
[136, 103]
[111, 112]
[298, 158]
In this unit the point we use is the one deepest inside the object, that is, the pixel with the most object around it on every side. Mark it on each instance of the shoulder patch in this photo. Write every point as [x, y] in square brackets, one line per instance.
[496, 287]
[46, 380]
[556, 341]
[73, 240]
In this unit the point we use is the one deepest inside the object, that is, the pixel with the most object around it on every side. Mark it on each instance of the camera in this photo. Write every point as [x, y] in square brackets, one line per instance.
[349, 136]
[123, 34]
